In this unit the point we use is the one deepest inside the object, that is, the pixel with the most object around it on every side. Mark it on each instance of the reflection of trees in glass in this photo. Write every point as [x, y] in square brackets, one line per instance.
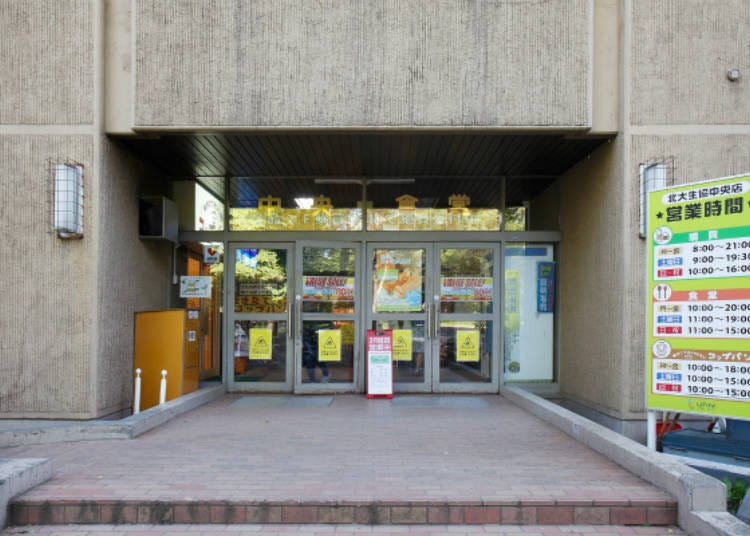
[466, 263]
[328, 261]
[515, 218]
[269, 272]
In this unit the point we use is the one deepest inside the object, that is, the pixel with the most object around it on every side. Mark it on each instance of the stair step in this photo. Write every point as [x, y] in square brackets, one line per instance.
[521, 512]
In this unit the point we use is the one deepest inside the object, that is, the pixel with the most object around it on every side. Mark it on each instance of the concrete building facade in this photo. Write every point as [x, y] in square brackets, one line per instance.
[138, 92]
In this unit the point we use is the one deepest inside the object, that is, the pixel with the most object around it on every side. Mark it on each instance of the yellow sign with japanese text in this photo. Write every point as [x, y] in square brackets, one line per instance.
[261, 343]
[329, 345]
[467, 345]
[401, 344]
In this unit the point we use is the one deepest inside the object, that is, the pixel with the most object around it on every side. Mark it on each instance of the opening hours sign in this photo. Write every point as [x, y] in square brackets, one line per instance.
[698, 338]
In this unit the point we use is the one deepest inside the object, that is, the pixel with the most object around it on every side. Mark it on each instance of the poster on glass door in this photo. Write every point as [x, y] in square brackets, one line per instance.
[397, 284]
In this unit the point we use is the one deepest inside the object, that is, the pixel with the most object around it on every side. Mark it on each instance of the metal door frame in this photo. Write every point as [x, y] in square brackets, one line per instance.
[299, 316]
[363, 317]
[496, 317]
[231, 317]
[424, 386]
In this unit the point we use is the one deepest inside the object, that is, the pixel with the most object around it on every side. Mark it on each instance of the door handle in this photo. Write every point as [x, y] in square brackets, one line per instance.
[297, 317]
[428, 322]
[435, 320]
[290, 320]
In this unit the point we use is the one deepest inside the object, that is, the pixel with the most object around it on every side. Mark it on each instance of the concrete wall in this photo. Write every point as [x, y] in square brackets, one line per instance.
[46, 55]
[347, 63]
[46, 84]
[133, 275]
[677, 105]
[67, 308]
[593, 335]
[46, 313]
[681, 52]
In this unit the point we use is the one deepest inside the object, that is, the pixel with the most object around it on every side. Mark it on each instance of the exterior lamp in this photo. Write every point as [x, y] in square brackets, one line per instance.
[68, 204]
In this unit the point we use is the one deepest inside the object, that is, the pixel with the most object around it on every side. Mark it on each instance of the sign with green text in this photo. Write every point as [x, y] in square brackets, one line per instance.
[698, 333]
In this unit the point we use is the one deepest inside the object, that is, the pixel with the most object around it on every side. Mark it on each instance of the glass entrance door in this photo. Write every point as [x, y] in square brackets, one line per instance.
[327, 337]
[399, 300]
[466, 323]
[439, 301]
[259, 338]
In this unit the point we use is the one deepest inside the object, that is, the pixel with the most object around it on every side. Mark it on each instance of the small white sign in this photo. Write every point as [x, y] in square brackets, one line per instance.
[195, 286]
[211, 254]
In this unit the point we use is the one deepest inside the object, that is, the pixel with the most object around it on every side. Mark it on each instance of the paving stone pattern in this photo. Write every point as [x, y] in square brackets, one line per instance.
[355, 461]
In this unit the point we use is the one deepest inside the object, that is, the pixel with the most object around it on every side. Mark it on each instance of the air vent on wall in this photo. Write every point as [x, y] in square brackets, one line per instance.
[157, 219]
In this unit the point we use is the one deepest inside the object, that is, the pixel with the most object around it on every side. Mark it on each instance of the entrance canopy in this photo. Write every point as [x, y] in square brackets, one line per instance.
[528, 162]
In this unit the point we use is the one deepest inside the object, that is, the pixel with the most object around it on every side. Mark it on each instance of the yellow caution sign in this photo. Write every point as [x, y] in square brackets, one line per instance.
[261, 343]
[329, 345]
[401, 344]
[467, 345]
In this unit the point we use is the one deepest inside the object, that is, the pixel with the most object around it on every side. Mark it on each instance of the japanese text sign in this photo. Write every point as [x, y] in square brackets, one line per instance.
[698, 338]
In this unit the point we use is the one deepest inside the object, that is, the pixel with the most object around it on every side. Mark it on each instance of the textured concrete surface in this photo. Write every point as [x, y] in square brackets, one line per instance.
[46, 314]
[343, 63]
[682, 50]
[702, 499]
[31, 432]
[46, 62]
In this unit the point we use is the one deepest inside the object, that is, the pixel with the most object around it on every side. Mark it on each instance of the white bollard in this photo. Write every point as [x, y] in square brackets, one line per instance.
[163, 388]
[137, 398]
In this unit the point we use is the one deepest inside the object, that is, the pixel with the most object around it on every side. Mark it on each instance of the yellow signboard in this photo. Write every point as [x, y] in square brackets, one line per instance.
[261, 343]
[401, 345]
[467, 345]
[329, 345]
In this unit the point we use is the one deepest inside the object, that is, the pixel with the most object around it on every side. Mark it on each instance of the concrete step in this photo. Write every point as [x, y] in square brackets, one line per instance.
[521, 512]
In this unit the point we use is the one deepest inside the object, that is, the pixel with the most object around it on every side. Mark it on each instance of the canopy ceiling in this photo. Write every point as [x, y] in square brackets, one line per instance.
[530, 162]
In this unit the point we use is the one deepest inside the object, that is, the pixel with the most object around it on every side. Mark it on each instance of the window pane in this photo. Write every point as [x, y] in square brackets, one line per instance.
[466, 284]
[465, 352]
[260, 281]
[328, 280]
[529, 312]
[294, 204]
[327, 351]
[434, 205]
[260, 351]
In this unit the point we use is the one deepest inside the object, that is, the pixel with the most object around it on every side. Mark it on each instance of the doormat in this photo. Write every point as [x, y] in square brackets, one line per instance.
[431, 401]
[283, 401]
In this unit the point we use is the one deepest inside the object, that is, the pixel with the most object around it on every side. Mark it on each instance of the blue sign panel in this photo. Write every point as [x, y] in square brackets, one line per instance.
[545, 287]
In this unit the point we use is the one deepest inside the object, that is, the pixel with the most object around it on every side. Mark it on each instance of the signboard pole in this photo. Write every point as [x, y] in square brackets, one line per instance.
[379, 364]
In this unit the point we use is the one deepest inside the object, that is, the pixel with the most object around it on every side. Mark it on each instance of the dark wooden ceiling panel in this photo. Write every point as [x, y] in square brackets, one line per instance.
[530, 161]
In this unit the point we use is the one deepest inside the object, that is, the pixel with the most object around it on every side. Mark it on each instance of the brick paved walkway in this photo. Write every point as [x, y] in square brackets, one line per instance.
[344, 530]
[353, 450]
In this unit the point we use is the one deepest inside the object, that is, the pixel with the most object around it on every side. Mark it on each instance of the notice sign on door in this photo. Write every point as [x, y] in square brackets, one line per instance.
[401, 345]
[195, 286]
[379, 364]
[329, 345]
[467, 345]
[260, 343]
